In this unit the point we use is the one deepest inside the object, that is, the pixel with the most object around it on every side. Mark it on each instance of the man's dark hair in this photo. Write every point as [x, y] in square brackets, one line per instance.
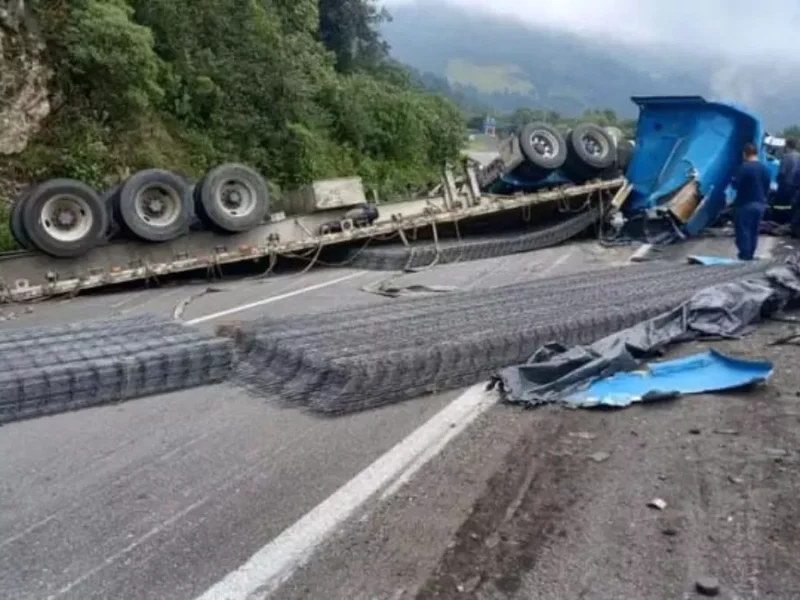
[791, 144]
[750, 149]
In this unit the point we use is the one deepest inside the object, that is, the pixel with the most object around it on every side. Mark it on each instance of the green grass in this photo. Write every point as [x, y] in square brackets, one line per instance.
[489, 78]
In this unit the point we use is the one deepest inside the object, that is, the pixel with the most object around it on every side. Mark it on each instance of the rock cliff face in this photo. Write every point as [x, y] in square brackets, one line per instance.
[24, 77]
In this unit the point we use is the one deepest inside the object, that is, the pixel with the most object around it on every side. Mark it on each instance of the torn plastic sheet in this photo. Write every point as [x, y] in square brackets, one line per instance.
[726, 310]
[696, 374]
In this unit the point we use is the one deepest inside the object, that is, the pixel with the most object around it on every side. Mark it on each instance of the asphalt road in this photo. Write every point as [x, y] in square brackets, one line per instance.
[162, 497]
[553, 504]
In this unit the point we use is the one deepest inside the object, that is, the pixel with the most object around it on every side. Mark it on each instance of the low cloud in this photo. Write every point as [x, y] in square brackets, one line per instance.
[744, 30]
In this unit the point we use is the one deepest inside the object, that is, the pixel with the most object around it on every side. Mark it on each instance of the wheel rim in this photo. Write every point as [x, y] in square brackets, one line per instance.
[66, 218]
[594, 145]
[544, 143]
[235, 198]
[158, 205]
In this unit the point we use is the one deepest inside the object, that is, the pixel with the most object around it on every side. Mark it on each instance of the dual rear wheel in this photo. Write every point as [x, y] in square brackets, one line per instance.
[587, 151]
[65, 218]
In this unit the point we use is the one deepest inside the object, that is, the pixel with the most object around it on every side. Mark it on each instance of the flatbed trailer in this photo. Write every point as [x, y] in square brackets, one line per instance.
[26, 276]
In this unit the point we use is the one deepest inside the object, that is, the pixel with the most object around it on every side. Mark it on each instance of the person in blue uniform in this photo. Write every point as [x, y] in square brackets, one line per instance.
[788, 173]
[789, 184]
[752, 186]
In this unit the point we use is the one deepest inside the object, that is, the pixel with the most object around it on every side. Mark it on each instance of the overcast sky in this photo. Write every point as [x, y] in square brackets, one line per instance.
[734, 28]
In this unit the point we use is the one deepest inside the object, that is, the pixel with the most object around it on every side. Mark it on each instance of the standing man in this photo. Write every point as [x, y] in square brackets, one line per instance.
[789, 183]
[787, 173]
[752, 186]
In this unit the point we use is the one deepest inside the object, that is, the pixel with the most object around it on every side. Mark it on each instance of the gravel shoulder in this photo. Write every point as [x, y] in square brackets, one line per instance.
[528, 505]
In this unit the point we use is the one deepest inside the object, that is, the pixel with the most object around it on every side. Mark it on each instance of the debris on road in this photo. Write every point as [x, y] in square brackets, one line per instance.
[777, 452]
[707, 586]
[696, 374]
[712, 260]
[600, 457]
[583, 435]
[470, 585]
[726, 431]
[180, 308]
[657, 503]
[397, 291]
[726, 310]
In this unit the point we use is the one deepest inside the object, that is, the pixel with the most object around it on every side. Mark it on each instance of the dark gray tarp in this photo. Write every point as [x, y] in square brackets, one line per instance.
[725, 310]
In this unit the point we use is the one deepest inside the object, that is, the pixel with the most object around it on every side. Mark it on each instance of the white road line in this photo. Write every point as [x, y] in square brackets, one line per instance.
[432, 451]
[275, 563]
[271, 299]
[556, 263]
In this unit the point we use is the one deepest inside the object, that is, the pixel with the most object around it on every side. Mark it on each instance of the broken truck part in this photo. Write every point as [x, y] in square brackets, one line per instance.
[687, 151]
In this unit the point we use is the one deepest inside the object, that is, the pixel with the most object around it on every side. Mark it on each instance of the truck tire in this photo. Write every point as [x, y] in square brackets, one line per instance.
[543, 146]
[64, 218]
[154, 205]
[590, 149]
[232, 198]
[16, 225]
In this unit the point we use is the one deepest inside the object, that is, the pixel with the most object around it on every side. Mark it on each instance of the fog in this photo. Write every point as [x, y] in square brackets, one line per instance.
[745, 30]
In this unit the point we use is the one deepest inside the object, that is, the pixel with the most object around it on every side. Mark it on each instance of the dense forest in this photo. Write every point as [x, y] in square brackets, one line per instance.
[300, 89]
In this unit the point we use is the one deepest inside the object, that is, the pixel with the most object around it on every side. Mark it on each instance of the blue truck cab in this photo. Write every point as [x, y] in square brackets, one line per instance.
[680, 139]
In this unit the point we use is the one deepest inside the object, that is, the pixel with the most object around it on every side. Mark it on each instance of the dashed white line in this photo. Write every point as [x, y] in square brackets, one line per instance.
[275, 563]
[271, 299]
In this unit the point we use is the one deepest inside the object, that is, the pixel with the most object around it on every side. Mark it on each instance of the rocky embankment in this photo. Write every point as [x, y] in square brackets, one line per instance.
[24, 77]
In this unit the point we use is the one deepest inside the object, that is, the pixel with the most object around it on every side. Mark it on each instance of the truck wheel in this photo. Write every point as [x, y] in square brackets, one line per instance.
[589, 148]
[543, 146]
[233, 198]
[16, 224]
[154, 205]
[64, 218]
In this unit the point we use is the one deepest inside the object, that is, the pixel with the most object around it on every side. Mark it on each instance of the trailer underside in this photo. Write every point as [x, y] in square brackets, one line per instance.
[27, 275]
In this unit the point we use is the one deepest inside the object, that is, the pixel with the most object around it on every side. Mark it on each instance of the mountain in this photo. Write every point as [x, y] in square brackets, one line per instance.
[506, 64]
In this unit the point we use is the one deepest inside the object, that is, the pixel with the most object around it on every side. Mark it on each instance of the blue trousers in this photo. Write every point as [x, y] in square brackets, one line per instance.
[747, 221]
[795, 223]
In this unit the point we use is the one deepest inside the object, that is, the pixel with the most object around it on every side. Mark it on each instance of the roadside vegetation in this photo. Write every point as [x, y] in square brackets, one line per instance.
[7, 241]
[300, 90]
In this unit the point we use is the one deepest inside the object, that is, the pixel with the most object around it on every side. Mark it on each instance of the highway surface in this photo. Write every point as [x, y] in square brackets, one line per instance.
[211, 493]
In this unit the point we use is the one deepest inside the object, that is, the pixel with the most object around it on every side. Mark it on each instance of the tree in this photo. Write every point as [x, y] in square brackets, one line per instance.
[299, 89]
[349, 28]
[792, 131]
[111, 58]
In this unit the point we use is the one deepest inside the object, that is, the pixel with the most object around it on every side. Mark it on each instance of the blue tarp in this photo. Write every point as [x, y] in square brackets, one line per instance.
[696, 374]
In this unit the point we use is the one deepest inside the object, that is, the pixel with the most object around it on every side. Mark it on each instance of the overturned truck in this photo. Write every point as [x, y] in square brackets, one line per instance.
[156, 223]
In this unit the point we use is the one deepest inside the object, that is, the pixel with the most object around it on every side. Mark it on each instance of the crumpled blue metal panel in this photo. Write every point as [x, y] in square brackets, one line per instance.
[697, 259]
[696, 374]
[683, 137]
